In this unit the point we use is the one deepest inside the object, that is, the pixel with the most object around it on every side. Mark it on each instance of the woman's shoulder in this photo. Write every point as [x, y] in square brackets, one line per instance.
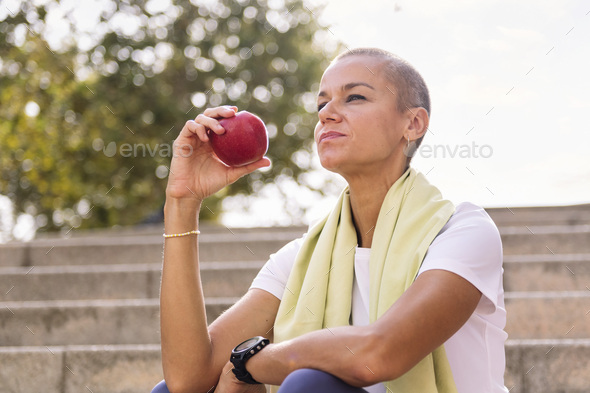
[470, 246]
[468, 215]
[469, 235]
[470, 209]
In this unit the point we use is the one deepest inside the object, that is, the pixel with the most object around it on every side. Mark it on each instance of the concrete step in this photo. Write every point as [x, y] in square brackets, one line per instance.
[124, 281]
[135, 321]
[80, 322]
[535, 272]
[554, 239]
[541, 215]
[533, 366]
[75, 369]
[502, 216]
[541, 315]
[548, 366]
[230, 246]
[547, 272]
[256, 245]
[79, 282]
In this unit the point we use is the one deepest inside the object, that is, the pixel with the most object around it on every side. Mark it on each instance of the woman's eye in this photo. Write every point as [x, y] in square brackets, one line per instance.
[354, 97]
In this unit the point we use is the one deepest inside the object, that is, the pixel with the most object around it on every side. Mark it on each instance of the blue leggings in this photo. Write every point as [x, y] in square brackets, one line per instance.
[305, 380]
[161, 388]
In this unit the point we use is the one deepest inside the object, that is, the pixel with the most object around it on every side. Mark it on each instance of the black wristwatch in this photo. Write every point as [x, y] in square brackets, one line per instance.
[243, 352]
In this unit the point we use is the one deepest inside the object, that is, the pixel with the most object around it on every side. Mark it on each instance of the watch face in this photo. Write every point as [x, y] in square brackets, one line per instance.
[247, 344]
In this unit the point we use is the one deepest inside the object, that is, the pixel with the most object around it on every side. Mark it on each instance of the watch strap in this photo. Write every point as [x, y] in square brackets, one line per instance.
[244, 376]
[239, 359]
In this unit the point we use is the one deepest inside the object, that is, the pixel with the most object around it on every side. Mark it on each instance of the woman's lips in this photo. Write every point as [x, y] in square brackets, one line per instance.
[329, 135]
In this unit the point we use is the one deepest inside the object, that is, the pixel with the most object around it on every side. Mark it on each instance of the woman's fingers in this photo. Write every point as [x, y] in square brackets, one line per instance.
[208, 120]
[221, 111]
[192, 128]
[238, 172]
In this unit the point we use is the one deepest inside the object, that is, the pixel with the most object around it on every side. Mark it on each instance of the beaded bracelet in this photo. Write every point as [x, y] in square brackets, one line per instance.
[195, 232]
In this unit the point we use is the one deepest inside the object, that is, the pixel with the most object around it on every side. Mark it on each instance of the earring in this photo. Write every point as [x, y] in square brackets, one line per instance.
[410, 149]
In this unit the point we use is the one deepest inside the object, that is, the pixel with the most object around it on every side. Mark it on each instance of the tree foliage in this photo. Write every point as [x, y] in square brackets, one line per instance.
[87, 123]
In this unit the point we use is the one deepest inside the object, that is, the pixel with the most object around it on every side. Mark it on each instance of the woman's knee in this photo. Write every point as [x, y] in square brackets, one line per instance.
[161, 388]
[308, 380]
[301, 380]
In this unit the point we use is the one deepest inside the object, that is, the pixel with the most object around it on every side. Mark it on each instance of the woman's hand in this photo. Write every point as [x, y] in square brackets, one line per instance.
[195, 171]
[228, 383]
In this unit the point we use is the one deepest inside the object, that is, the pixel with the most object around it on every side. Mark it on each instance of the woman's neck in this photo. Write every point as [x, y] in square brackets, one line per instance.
[366, 197]
[365, 210]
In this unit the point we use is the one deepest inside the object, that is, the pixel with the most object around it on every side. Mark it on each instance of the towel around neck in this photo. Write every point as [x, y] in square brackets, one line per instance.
[318, 294]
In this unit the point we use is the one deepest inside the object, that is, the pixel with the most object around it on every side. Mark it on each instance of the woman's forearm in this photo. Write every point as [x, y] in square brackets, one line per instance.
[186, 345]
[346, 352]
[434, 308]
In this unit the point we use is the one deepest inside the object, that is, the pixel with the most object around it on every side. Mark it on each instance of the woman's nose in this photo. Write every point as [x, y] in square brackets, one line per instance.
[329, 112]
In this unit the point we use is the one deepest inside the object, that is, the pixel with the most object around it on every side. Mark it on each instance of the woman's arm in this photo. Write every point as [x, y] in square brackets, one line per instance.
[433, 308]
[194, 354]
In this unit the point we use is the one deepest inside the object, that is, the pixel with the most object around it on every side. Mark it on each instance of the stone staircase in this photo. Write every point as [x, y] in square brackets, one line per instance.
[80, 314]
[547, 293]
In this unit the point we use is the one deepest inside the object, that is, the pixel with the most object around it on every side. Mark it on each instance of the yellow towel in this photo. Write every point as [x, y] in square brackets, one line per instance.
[319, 288]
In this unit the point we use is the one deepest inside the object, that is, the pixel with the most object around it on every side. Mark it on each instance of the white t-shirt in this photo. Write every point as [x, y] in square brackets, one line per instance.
[468, 245]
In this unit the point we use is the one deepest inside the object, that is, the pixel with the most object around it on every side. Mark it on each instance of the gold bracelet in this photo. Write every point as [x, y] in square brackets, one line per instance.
[195, 232]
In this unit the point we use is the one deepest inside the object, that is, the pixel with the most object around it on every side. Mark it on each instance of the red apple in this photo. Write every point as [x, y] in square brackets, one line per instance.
[244, 141]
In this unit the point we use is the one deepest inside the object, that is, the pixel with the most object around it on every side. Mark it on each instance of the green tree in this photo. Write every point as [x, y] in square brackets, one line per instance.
[87, 124]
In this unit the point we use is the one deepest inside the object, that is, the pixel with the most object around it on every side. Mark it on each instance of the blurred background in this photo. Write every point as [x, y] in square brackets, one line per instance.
[93, 93]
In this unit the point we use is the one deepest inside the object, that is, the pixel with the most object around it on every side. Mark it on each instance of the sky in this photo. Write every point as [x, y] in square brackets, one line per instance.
[509, 87]
[509, 90]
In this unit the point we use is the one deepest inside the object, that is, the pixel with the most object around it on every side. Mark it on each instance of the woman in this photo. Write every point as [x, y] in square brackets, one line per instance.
[396, 289]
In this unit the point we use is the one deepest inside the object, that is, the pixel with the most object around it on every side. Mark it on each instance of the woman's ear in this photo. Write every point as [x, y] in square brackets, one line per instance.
[419, 122]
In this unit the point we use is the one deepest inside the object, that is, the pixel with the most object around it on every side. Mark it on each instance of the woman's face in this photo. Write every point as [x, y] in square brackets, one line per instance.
[359, 127]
